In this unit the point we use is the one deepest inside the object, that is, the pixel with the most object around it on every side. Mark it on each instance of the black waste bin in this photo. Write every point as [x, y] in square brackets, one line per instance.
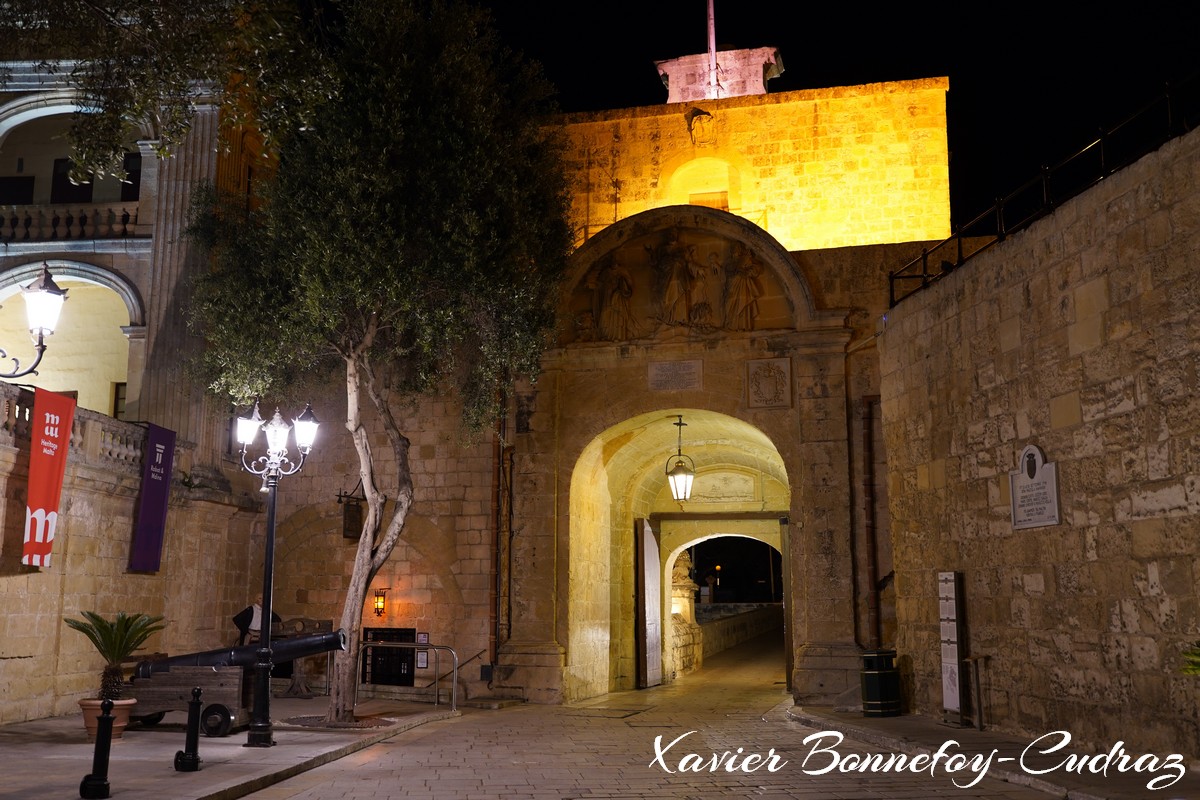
[880, 684]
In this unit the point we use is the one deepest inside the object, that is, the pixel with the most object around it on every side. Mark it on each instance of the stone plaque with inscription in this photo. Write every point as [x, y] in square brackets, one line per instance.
[667, 376]
[1033, 489]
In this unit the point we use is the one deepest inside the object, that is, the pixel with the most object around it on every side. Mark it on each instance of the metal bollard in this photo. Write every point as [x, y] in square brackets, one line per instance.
[95, 785]
[188, 759]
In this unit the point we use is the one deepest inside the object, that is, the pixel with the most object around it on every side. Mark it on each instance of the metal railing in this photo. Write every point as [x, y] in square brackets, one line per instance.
[1171, 114]
[437, 667]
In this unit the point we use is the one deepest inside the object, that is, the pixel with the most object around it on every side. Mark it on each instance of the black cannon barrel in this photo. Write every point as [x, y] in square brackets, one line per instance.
[247, 655]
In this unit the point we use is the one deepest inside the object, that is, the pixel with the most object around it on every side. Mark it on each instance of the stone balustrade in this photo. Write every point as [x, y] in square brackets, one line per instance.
[97, 440]
[46, 223]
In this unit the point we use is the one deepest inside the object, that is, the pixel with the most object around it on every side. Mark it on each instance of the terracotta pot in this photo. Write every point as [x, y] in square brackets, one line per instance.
[120, 712]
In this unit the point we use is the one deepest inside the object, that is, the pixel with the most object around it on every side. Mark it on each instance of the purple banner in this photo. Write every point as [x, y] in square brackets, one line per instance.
[152, 508]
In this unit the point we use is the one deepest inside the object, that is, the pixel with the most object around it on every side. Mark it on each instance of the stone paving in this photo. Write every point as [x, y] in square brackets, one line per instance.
[606, 749]
[601, 749]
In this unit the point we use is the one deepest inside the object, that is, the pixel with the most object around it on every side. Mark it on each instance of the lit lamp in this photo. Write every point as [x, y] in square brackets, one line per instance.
[273, 466]
[43, 303]
[380, 594]
[681, 475]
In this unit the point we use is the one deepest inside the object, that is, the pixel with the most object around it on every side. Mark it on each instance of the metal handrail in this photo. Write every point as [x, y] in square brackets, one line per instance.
[1039, 196]
[437, 667]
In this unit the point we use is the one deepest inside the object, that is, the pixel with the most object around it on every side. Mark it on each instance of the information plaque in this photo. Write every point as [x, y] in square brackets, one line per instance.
[1033, 491]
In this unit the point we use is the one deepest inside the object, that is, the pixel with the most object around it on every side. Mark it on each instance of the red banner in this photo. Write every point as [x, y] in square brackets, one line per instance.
[49, 437]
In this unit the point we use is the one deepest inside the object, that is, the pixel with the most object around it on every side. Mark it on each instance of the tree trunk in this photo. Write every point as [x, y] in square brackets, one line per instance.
[373, 551]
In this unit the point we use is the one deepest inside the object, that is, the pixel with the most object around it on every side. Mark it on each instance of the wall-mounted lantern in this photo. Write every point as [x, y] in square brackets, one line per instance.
[380, 602]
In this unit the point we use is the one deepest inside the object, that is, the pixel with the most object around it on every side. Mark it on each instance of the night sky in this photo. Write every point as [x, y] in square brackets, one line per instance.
[1026, 89]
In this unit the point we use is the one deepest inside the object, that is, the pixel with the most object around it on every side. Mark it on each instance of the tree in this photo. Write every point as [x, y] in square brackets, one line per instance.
[148, 63]
[413, 231]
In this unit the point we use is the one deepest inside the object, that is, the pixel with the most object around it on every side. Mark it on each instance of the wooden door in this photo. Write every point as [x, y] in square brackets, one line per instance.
[649, 605]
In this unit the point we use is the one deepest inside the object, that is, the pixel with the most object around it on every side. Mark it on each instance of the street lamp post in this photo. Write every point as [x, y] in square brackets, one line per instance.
[273, 466]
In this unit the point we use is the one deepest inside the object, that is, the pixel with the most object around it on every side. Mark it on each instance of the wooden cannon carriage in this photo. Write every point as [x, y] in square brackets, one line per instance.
[224, 677]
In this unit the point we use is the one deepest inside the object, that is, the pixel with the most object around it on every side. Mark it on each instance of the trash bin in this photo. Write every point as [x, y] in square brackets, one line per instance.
[880, 684]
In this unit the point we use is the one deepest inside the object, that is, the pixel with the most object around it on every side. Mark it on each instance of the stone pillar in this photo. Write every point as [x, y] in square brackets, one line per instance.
[822, 569]
[136, 334]
[530, 664]
[165, 396]
[148, 193]
[687, 639]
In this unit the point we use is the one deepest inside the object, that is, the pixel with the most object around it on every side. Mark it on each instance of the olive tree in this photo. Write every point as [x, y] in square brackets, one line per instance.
[408, 235]
[131, 62]
[412, 233]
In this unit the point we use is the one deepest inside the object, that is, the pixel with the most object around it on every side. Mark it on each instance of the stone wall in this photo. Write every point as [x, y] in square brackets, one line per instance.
[818, 168]
[1081, 336]
[441, 575]
[44, 665]
[729, 631]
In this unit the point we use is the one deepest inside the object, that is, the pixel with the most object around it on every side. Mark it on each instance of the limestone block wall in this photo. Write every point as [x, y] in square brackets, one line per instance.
[44, 665]
[686, 653]
[441, 575]
[726, 632]
[817, 168]
[1081, 336]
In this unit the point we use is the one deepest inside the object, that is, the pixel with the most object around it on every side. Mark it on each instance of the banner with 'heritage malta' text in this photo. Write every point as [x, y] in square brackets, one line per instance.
[49, 437]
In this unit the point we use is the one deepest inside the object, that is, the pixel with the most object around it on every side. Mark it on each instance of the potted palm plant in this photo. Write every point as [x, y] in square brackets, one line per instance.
[116, 640]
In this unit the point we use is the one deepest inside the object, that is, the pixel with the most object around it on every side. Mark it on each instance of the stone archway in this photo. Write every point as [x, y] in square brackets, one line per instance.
[647, 332]
[98, 349]
[690, 640]
[617, 482]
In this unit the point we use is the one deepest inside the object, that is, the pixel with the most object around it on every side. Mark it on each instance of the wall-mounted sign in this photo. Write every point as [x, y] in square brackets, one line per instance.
[950, 622]
[673, 376]
[1033, 490]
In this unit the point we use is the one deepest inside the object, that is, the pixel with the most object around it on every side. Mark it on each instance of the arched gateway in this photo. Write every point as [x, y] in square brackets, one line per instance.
[693, 312]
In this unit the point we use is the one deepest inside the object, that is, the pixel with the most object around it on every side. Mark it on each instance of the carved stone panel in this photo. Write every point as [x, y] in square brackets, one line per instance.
[675, 281]
[769, 383]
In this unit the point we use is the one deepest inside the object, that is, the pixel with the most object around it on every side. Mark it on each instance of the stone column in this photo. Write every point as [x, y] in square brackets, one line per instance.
[822, 569]
[687, 640]
[532, 660]
[136, 334]
[165, 396]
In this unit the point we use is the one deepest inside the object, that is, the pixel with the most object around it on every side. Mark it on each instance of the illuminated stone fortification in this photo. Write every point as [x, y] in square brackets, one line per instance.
[819, 168]
[1078, 336]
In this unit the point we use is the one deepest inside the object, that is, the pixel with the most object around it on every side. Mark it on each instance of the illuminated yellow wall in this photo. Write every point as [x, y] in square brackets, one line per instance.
[818, 168]
[88, 353]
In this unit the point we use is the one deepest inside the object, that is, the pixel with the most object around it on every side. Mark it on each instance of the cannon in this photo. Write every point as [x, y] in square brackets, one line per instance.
[165, 684]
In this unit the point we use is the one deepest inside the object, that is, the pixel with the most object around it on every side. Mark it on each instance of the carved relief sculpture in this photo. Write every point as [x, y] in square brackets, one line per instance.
[673, 281]
[769, 383]
[745, 287]
[671, 261]
[617, 322]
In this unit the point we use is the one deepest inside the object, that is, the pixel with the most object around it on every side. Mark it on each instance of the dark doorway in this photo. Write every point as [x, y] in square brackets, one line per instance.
[742, 570]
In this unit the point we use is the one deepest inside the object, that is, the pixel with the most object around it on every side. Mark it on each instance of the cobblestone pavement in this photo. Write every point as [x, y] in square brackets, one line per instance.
[607, 749]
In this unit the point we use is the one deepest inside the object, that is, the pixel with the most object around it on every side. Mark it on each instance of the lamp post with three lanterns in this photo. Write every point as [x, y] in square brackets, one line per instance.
[273, 466]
